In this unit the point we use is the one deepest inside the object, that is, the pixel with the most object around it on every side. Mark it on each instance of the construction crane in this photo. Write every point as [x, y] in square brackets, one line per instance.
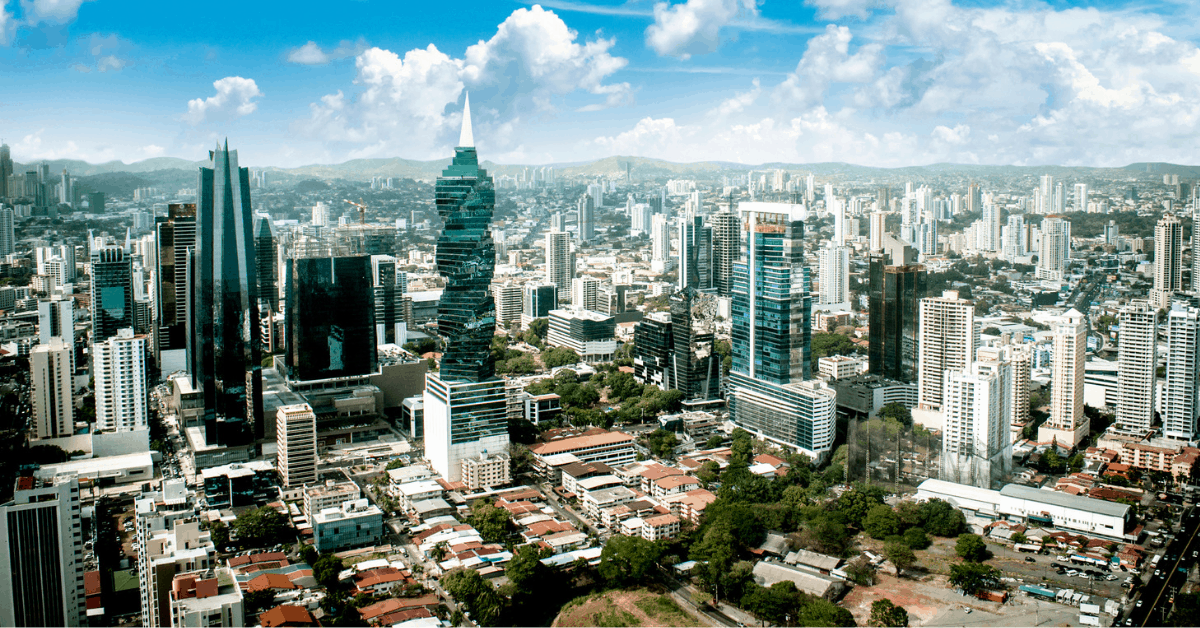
[362, 210]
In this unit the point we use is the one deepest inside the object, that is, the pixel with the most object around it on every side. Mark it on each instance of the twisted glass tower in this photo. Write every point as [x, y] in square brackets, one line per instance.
[466, 257]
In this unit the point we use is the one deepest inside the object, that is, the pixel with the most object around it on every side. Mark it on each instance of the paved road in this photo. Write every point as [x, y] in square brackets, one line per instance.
[1169, 577]
[580, 522]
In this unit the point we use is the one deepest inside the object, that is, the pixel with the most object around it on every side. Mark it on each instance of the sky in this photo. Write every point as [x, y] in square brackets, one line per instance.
[871, 82]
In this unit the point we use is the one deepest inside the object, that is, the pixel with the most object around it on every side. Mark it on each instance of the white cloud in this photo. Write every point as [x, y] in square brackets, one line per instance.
[31, 148]
[50, 11]
[109, 62]
[153, 150]
[827, 60]
[837, 9]
[235, 97]
[312, 54]
[7, 25]
[738, 103]
[409, 104]
[693, 27]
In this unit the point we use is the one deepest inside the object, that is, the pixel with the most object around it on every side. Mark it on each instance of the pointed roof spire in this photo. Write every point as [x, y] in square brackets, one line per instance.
[466, 138]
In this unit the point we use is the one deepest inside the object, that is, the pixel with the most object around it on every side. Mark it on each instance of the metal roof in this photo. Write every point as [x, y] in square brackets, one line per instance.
[1065, 500]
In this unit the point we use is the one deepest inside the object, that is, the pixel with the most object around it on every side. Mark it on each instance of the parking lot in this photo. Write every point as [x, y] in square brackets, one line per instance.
[1041, 571]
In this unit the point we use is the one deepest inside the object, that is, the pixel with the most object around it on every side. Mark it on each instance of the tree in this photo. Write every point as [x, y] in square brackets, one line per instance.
[219, 533]
[326, 570]
[1187, 610]
[258, 601]
[1019, 538]
[942, 519]
[742, 448]
[901, 556]
[625, 560]
[858, 501]
[624, 386]
[916, 538]
[662, 443]
[881, 522]
[264, 526]
[971, 577]
[490, 521]
[897, 412]
[559, 356]
[526, 570]
[885, 614]
[970, 547]
[477, 594]
[540, 327]
[713, 441]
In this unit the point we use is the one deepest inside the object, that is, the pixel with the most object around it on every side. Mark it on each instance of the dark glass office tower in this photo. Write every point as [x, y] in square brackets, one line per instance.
[540, 299]
[654, 350]
[466, 257]
[695, 255]
[330, 330]
[112, 292]
[895, 301]
[224, 336]
[175, 236]
[6, 169]
[266, 251]
[726, 249]
[695, 367]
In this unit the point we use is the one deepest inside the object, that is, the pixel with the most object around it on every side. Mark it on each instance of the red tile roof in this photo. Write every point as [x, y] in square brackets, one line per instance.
[286, 615]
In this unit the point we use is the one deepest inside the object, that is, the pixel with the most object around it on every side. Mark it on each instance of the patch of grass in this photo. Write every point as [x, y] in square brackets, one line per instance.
[665, 611]
[614, 617]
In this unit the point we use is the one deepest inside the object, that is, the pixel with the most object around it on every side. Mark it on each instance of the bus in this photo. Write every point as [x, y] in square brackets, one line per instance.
[1028, 547]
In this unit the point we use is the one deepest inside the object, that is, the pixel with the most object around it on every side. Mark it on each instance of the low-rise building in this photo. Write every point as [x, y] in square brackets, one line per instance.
[612, 448]
[331, 494]
[208, 599]
[355, 524]
[486, 471]
[660, 527]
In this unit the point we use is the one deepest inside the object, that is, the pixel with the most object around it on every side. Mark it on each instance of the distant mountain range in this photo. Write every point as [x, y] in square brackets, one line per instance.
[640, 167]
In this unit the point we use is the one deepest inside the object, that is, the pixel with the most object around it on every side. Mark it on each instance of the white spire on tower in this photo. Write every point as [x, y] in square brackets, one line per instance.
[466, 138]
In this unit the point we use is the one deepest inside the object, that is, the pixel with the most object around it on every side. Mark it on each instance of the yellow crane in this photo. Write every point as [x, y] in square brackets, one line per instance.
[362, 210]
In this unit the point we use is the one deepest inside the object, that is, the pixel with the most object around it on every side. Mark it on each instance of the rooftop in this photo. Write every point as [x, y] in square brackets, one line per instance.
[1086, 504]
[581, 442]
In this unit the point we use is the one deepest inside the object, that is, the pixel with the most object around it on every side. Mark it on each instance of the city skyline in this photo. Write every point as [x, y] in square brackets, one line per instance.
[877, 84]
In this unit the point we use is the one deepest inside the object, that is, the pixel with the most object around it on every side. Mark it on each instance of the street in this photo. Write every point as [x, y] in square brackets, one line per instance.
[1156, 596]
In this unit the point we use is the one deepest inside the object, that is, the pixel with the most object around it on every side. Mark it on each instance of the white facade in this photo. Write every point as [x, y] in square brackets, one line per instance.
[1055, 252]
[1182, 398]
[948, 338]
[560, 261]
[296, 445]
[1136, 367]
[990, 235]
[51, 389]
[56, 319]
[41, 556]
[1015, 502]
[463, 420]
[1067, 424]
[119, 366]
[835, 276]
[1081, 197]
[877, 229]
[1168, 260]
[509, 303]
[1016, 244]
[584, 293]
[976, 448]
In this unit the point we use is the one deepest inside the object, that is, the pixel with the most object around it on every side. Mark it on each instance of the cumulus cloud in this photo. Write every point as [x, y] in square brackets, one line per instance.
[828, 60]
[312, 54]
[738, 103]
[409, 104]
[7, 25]
[694, 26]
[31, 147]
[50, 11]
[152, 150]
[234, 98]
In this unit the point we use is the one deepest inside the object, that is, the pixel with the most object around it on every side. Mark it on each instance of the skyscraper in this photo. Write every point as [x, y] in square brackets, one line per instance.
[8, 238]
[111, 292]
[465, 407]
[1136, 365]
[1015, 242]
[56, 319]
[538, 301]
[223, 324]
[1182, 399]
[1081, 197]
[51, 389]
[584, 293]
[654, 350]
[393, 306]
[835, 275]
[1068, 425]
[1045, 193]
[976, 445]
[991, 225]
[175, 238]
[948, 338]
[1168, 260]
[771, 390]
[727, 247]
[1055, 252]
[41, 554]
[266, 258]
[122, 396]
[695, 254]
[894, 311]
[6, 170]
[330, 327]
[296, 443]
[508, 299]
[695, 367]
[587, 218]
[560, 261]
[1195, 238]
[877, 229]
[660, 243]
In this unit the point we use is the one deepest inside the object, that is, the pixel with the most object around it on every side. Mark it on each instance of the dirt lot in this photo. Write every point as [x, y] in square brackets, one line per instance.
[639, 607]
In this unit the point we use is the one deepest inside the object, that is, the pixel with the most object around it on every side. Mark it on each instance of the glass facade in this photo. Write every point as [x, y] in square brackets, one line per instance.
[466, 257]
[695, 256]
[224, 339]
[175, 236]
[539, 300]
[895, 301]
[265, 251]
[330, 330]
[112, 292]
[726, 249]
[696, 367]
[653, 349]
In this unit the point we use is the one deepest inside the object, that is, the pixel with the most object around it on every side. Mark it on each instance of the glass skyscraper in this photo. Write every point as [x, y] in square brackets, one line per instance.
[175, 237]
[895, 303]
[696, 367]
[330, 330]
[223, 339]
[112, 292]
[771, 390]
[465, 406]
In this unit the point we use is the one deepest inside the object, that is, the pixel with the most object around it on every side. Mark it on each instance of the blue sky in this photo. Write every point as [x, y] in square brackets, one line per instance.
[873, 82]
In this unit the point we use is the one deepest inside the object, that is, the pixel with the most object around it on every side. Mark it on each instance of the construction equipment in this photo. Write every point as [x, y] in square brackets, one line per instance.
[362, 210]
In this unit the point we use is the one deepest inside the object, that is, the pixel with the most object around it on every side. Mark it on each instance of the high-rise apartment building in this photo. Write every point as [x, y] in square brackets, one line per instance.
[296, 445]
[1068, 425]
[695, 254]
[51, 389]
[727, 247]
[1168, 260]
[223, 323]
[1055, 252]
[170, 543]
[947, 341]
[175, 238]
[990, 237]
[560, 261]
[660, 243]
[1081, 197]
[976, 445]
[41, 554]
[1016, 243]
[1136, 365]
[586, 218]
[122, 397]
[56, 319]
[1195, 239]
[894, 300]
[1182, 398]
[465, 405]
[835, 275]
[877, 229]
[584, 293]
[771, 390]
[329, 331]
[538, 301]
[111, 292]
[509, 303]
[8, 238]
